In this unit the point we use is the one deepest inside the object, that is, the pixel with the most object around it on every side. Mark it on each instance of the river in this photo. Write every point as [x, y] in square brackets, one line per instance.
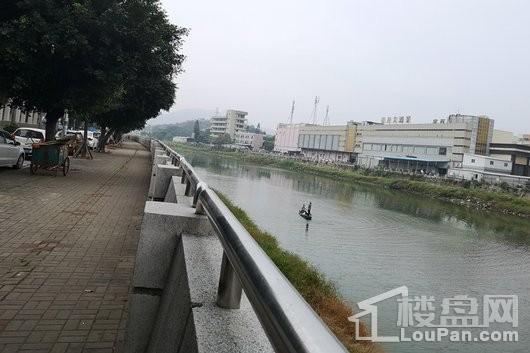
[369, 240]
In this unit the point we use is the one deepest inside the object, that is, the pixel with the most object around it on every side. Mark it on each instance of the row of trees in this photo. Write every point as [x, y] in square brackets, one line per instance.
[110, 62]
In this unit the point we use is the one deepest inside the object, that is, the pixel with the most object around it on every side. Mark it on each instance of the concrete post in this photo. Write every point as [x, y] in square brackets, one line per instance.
[229, 290]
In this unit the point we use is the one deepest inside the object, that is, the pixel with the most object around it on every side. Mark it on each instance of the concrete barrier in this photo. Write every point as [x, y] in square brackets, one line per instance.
[172, 306]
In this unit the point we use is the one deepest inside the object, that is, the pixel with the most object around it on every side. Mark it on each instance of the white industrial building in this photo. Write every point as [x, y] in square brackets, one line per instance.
[286, 139]
[397, 144]
[249, 139]
[328, 143]
[487, 169]
[233, 122]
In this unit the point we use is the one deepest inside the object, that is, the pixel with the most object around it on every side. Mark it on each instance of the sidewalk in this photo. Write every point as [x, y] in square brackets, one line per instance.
[67, 249]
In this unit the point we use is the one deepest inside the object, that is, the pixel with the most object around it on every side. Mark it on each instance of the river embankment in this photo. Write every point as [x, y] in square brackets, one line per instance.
[464, 194]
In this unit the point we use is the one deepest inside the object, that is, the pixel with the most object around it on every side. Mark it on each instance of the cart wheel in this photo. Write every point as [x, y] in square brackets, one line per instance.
[33, 168]
[66, 166]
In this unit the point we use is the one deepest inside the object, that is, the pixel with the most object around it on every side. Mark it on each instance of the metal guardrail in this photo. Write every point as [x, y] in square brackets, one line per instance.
[289, 322]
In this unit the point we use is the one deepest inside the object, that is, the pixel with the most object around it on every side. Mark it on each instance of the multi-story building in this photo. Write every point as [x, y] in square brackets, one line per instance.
[286, 139]
[249, 139]
[333, 143]
[512, 149]
[432, 148]
[233, 122]
[9, 115]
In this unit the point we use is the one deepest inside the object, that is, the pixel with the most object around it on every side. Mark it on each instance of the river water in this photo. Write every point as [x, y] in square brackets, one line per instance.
[369, 240]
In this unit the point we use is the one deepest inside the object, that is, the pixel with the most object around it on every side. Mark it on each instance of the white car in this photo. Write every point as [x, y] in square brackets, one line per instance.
[92, 141]
[70, 134]
[27, 136]
[11, 153]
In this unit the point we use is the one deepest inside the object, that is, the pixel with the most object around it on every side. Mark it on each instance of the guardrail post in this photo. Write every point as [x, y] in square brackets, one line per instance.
[229, 290]
[188, 187]
[200, 187]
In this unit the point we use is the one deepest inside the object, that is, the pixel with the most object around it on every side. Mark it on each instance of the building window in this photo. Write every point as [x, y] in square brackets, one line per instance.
[491, 162]
[505, 164]
[472, 161]
[442, 151]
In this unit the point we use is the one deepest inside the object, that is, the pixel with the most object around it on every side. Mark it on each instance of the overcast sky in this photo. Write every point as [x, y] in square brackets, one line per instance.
[365, 59]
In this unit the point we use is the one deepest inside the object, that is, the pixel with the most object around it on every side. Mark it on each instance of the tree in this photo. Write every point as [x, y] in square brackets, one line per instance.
[223, 139]
[153, 61]
[57, 55]
[268, 143]
[197, 131]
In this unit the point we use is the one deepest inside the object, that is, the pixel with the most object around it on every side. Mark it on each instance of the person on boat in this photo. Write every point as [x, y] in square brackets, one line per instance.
[303, 208]
[309, 208]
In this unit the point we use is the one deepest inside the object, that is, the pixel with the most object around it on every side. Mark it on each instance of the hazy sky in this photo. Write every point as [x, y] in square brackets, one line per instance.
[366, 59]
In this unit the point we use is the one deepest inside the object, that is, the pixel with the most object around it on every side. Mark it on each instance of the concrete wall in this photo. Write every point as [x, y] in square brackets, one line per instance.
[488, 177]
[486, 163]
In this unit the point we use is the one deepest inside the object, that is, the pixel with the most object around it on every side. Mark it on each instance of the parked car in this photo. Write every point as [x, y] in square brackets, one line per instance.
[75, 137]
[27, 136]
[11, 153]
[92, 140]
[70, 134]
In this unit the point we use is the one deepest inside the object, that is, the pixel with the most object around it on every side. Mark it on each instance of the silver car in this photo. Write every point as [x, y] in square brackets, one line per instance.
[11, 153]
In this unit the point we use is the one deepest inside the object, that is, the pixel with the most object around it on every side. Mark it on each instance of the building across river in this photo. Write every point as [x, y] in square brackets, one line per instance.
[458, 142]
[433, 148]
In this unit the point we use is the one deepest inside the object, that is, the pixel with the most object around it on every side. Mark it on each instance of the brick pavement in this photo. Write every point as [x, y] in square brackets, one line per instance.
[67, 248]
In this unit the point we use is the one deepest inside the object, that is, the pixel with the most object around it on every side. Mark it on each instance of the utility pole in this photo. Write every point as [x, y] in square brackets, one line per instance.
[292, 113]
[314, 114]
[326, 118]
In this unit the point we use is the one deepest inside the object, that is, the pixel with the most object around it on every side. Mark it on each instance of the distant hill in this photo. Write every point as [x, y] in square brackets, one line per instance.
[166, 132]
[180, 116]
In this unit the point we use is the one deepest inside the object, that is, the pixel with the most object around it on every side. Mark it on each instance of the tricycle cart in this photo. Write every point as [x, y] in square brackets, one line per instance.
[52, 155]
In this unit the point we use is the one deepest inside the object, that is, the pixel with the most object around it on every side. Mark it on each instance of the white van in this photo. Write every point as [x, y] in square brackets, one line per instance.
[27, 136]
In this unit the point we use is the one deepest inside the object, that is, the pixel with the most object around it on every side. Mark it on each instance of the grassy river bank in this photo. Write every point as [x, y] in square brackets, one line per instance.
[461, 194]
[310, 283]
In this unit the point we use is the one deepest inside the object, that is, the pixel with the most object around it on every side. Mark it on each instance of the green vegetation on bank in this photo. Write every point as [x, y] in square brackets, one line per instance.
[312, 285]
[479, 198]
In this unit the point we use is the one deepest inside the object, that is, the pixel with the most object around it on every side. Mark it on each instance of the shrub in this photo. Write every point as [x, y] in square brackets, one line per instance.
[11, 127]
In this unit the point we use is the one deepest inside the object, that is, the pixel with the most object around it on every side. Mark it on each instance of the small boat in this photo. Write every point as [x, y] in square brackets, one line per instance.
[304, 214]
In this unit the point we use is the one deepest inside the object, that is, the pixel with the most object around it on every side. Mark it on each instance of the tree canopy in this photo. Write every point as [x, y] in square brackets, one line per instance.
[111, 61]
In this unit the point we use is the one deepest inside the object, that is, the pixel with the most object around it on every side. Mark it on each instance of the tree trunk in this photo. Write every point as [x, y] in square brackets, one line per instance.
[85, 140]
[103, 141]
[84, 150]
[52, 117]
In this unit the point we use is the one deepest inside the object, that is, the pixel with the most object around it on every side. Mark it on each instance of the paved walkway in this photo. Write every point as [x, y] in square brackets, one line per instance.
[67, 248]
